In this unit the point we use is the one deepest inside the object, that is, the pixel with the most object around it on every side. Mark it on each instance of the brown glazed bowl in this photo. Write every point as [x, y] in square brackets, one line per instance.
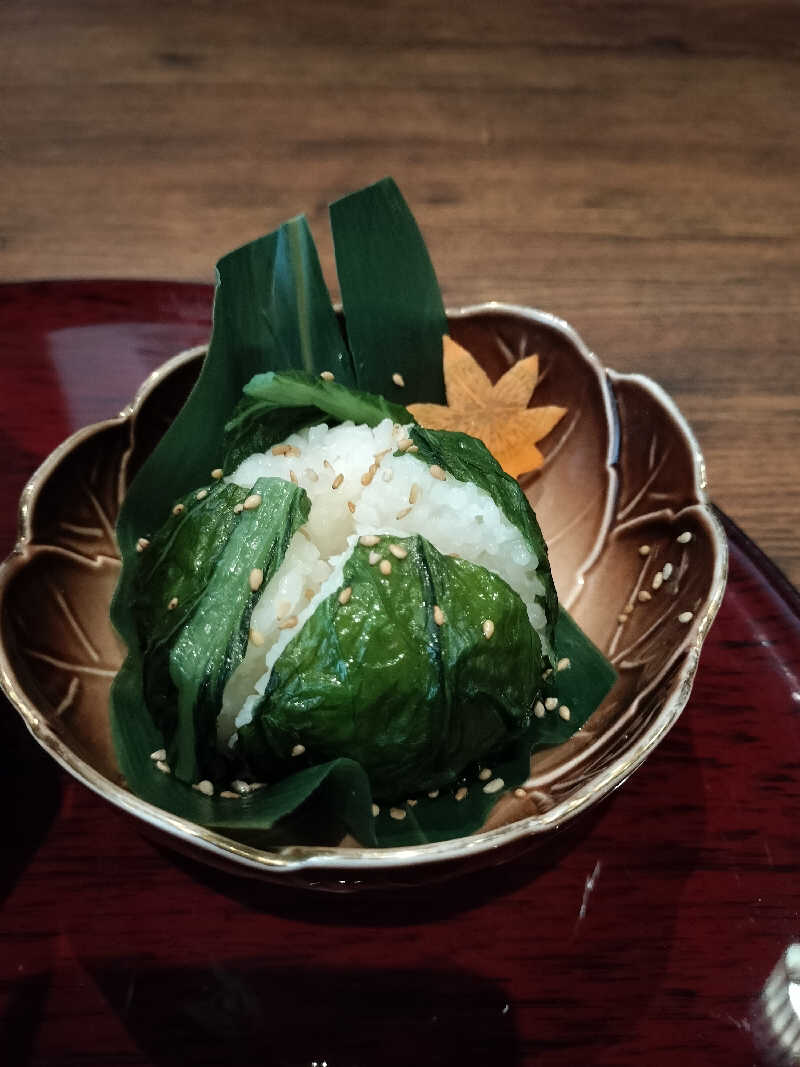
[622, 471]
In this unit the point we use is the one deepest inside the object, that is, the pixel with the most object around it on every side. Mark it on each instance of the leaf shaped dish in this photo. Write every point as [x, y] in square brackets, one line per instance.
[622, 473]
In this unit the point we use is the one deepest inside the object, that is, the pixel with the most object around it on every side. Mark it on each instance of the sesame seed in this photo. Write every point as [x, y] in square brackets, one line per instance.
[252, 502]
[201, 495]
[485, 774]
[388, 475]
[159, 754]
[205, 787]
[564, 712]
[547, 673]
[256, 578]
[402, 513]
[351, 507]
[238, 509]
[551, 703]
[308, 594]
[172, 604]
[283, 608]
[434, 793]
[256, 637]
[398, 551]
[228, 795]
[461, 793]
[397, 813]
[163, 767]
[666, 571]
[412, 803]
[178, 509]
[454, 555]
[298, 750]
[520, 794]
[240, 786]
[644, 596]
[658, 580]
[367, 477]
[684, 538]
[376, 810]
[488, 628]
[379, 455]
[293, 478]
[385, 567]
[288, 624]
[404, 445]
[413, 495]
[345, 594]
[398, 379]
[216, 474]
[494, 786]
[327, 376]
[337, 481]
[142, 544]
[437, 472]
[438, 615]
[563, 664]
[644, 550]
[622, 619]
[685, 616]
[374, 557]
[414, 448]
[368, 540]
[629, 607]
[538, 709]
[311, 474]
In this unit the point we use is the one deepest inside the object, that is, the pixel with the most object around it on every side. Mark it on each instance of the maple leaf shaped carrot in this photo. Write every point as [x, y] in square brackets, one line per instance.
[498, 414]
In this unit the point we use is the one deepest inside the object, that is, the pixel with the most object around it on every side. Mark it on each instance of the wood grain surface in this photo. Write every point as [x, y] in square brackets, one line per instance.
[629, 167]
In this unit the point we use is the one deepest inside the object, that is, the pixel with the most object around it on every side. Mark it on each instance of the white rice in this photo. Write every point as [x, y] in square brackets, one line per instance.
[456, 517]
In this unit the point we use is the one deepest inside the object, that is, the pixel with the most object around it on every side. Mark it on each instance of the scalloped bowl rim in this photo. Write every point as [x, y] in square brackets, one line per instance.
[299, 857]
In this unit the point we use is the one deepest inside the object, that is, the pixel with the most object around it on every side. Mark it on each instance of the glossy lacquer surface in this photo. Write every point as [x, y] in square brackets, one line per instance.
[642, 934]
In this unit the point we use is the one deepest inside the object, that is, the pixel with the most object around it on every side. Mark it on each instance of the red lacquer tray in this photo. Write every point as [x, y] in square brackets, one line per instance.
[642, 934]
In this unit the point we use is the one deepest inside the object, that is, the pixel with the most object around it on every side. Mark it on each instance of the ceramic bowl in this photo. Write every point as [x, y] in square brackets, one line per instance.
[637, 555]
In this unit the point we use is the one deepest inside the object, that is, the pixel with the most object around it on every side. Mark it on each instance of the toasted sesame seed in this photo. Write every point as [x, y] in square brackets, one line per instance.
[163, 767]
[385, 567]
[205, 787]
[454, 555]
[488, 628]
[551, 703]
[337, 481]
[388, 475]
[461, 793]
[238, 509]
[298, 750]
[644, 550]
[644, 596]
[666, 571]
[485, 774]
[538, 709]
[159, 754]
[256, 637]
[376, 810]
[293, 478]
[413, 494]
[563, 664]
[351, 507]
[685, 616]
[256, 578]
[658, 580]
[367, 477]
[172, 604]
[520, 794]
[309, 594]
[216, 474]
[629, 607]
[252, 502]
[404, 444]
[437, 472]
[398, 379]
[412, 803]
[201, 495]
[564, 712]
[622, 619]
[402, 513]
[374, 557]
[684, 538]
[311, 474]
[368, 540]
[345, 594]
[414, 448]
[397, 813]
[398, 551]
[327, 375]
[178, 509]
[142, 544]
[228, 795]
[288, 624]
[282, 609]
[239, 786]
[438, 615]
[494, 786]
[434, 793]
